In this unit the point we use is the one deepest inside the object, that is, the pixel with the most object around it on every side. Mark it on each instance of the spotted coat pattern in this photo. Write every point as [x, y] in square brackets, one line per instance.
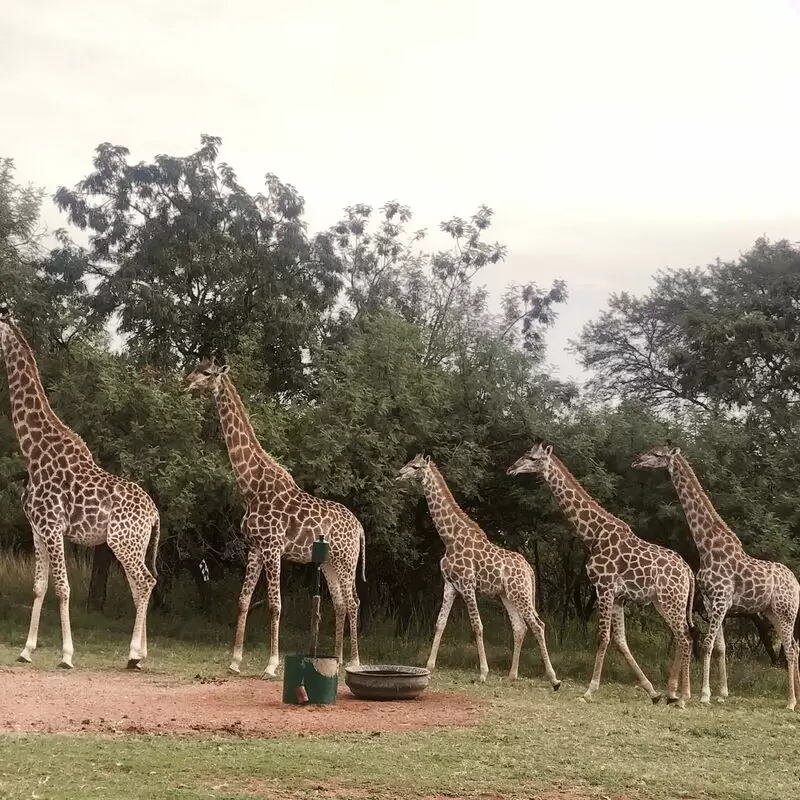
[281, 521]
[729, 578]
[472, 566]
[69, 497]
[621, 566]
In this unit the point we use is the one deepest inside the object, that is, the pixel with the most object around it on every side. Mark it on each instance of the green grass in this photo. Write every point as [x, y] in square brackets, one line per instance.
[529, 742]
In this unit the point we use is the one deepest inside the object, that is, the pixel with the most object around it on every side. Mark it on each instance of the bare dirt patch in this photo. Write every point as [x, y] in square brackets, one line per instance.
[108, 702]
[334, 791]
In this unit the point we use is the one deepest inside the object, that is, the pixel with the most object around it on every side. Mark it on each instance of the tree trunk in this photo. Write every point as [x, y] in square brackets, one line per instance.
[102, 558]
[764, 629]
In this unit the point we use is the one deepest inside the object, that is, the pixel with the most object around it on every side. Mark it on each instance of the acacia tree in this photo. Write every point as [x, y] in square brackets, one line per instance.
[725, 338]
[386, 268]
[189, 260]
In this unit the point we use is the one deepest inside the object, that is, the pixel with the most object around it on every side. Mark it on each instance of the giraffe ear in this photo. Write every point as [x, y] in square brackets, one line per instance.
[548, 450]
[427, 459]
[675, 451]
[224, 370]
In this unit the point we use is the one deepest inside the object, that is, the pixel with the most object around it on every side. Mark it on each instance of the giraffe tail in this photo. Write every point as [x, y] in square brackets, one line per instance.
[693, 632]
[155, 535]
[363, 556]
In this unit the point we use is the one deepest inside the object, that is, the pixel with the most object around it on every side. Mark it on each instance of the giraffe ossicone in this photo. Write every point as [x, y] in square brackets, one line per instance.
[69, 497]
[281, 521]
[621, 567]
[473, 566]
[730, 578]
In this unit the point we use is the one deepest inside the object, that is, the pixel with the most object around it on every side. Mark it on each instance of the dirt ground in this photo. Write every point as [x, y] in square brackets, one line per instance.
[107, 702]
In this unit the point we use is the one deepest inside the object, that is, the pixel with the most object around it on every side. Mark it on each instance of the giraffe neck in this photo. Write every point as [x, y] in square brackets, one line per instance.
[37, 426]
[580, 508]
[257, 472]
[707, 526]
[448, 517]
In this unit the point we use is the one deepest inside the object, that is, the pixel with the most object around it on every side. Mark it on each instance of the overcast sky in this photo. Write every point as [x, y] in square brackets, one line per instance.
[611, 138]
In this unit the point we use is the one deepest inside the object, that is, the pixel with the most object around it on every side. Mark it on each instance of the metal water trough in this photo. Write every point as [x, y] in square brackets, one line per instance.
[386, 681]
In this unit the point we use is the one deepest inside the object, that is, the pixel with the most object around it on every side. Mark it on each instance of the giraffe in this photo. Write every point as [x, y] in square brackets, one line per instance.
[281, 520]
[473, 565]
[728, 576]
[69, 497]
[622, 567]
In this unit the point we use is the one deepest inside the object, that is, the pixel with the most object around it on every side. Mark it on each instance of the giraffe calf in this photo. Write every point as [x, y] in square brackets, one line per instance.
[474, 566]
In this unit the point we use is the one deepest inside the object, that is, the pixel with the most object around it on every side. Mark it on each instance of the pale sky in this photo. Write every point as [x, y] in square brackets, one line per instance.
[611, 138]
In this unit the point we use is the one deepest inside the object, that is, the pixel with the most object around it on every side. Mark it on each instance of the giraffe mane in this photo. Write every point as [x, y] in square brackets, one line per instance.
[698, 488]
[40, 392]
[581, 489]
[448, 495]
[235, 398]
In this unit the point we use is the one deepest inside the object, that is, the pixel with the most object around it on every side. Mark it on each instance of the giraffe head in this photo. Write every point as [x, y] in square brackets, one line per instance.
[657, 458]
[5, 319]
[417, 467]
[9, 332]
[537, 459]
[205, 376]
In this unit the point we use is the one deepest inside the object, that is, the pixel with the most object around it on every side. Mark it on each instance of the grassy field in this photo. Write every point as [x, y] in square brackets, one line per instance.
[530, 742]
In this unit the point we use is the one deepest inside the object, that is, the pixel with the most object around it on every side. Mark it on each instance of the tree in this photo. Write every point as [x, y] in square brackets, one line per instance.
[190, 260]
[723, 338]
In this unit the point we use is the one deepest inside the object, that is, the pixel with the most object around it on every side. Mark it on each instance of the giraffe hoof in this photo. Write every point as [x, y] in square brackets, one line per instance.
[23, 659]
[65, 665]
[234, 668]
[671, 700]
[656, 699]
[134, 663]
[720, 700]
[556, 686]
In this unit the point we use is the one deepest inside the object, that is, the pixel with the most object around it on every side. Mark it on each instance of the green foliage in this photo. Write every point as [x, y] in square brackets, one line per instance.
[189, 260]
[723, 337]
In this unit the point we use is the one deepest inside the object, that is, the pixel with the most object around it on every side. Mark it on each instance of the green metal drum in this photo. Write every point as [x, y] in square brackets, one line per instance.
[307, 679]
[319, 550]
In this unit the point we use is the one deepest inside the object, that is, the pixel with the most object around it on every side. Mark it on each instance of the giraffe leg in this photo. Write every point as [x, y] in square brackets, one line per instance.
[353, 604]
[135, 594]
[674, 671]
[251, 575]
[716, 617]
[477, 629]
[605, 606]
[784, 627]
[441, 622]
[722, 666]
[142, 583]
[272, 572]
[39, 591]
[796, 667]
[519, 629]
[680, 662]
[686, 675]
[54, 537]
[534, 622]
[618, 634]
[337, 597]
